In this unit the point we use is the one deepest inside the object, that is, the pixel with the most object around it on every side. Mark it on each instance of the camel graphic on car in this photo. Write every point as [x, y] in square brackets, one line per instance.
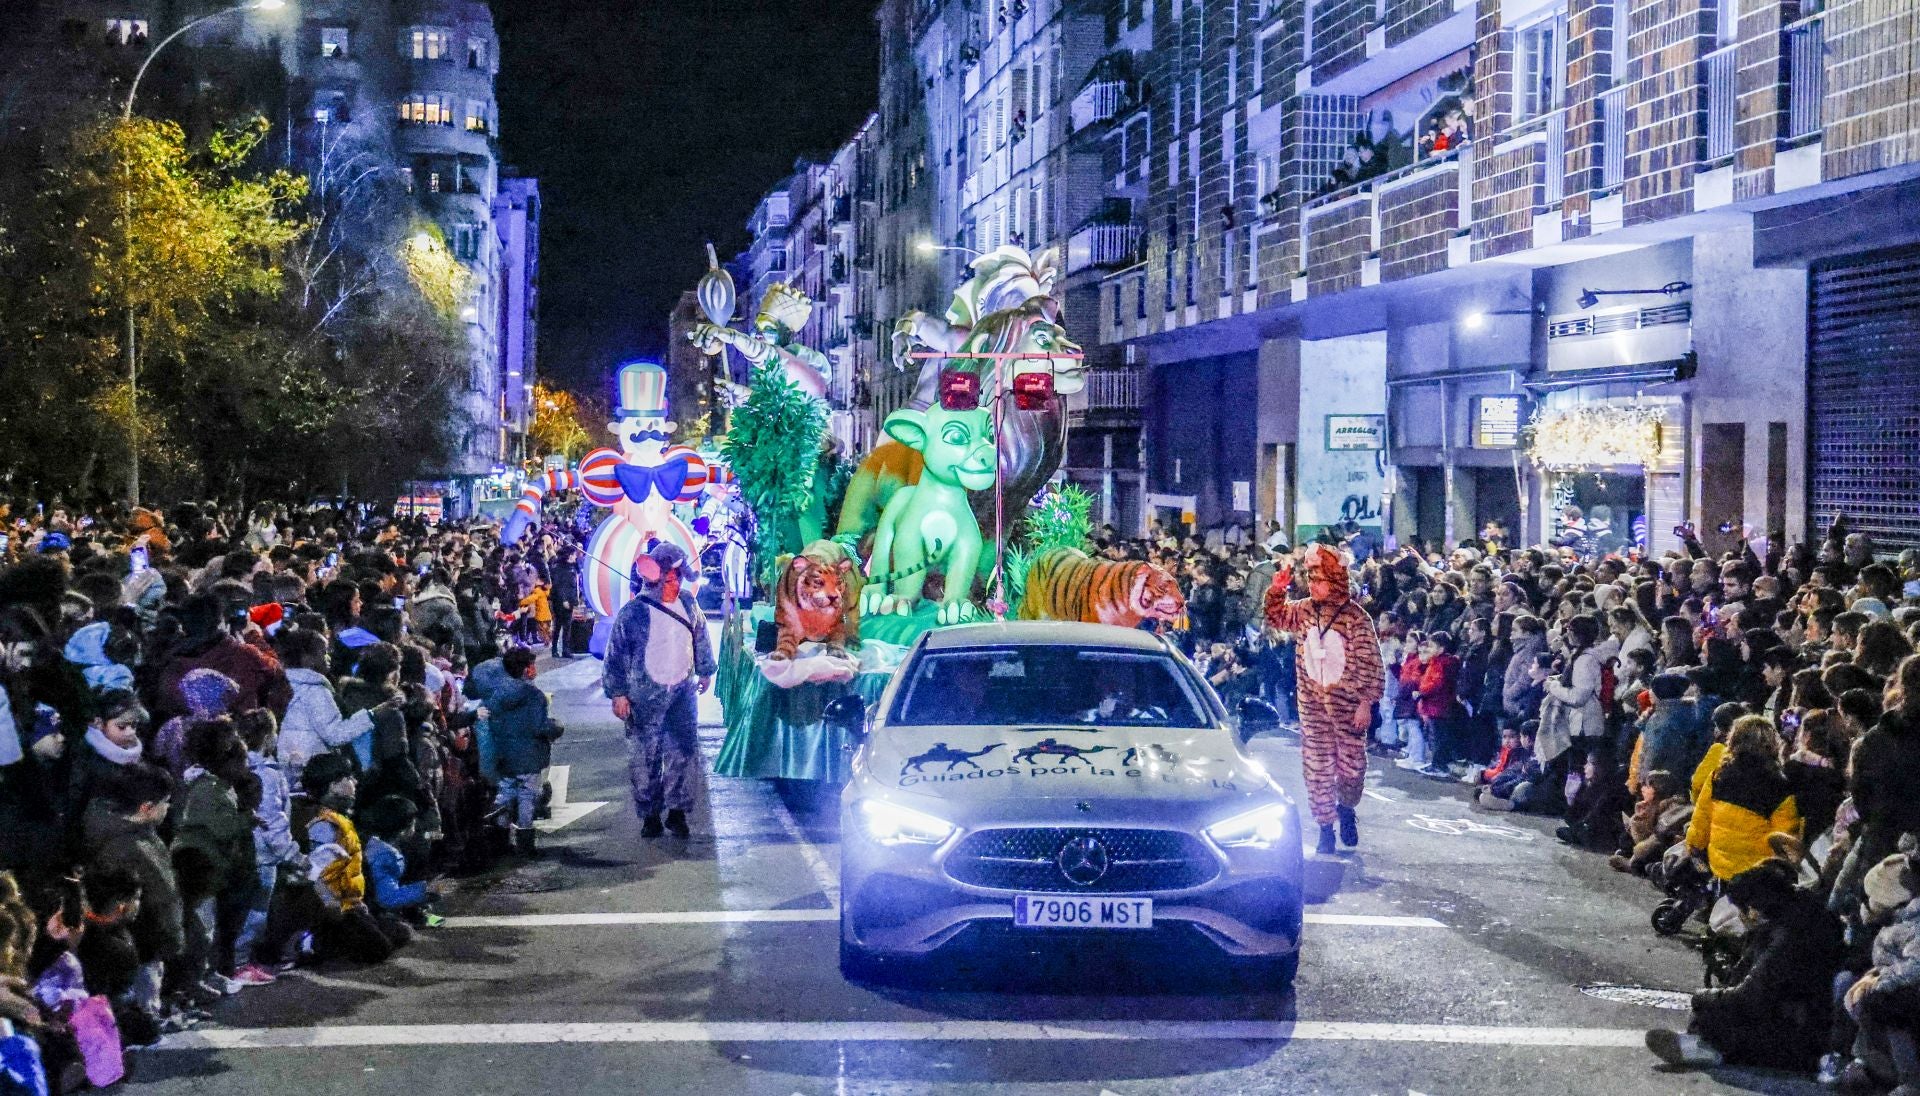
[943, 752]
[1048, 747]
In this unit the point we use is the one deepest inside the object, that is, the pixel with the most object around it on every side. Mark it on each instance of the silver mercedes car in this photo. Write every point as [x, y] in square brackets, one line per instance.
[1022, 783]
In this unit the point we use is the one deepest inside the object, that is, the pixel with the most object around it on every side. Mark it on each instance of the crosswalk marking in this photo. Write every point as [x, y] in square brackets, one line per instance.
[708, 917]
[362, 1036]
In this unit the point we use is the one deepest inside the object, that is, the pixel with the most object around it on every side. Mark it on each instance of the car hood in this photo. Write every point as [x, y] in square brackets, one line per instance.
[982, 763]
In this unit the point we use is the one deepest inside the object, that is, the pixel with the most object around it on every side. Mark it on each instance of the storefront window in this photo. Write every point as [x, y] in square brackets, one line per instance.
[1596, 513]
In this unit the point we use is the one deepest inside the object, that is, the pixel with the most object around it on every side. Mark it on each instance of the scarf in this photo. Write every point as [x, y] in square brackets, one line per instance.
[102, 745]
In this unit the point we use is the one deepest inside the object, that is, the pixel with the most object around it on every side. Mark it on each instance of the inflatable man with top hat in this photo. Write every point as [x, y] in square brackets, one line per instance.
[640, 482]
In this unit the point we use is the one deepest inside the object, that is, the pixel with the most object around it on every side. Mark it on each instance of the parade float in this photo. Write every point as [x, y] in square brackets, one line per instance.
[940, 525]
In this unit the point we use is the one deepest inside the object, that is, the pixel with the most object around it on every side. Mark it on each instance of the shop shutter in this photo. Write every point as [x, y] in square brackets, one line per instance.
[1863, 396]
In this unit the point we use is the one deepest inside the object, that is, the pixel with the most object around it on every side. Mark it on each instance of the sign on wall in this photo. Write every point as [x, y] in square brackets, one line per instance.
[1356, 433]
[1496, 421]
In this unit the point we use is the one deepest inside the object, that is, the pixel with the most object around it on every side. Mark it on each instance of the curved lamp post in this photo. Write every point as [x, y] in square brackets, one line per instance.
[126, 115]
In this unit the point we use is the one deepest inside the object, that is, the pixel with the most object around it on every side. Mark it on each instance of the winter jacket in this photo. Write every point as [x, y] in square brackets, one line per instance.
[1885, 761]
[1817, 791]
[336, 862]
[1474, 660]
[343, 654]
[521, 733]
[1517, 680]
[1674, 737]
[1790, 960]
[433, 608]
[212, 823]
[273, 836]
[88, 770]
[1439, 687]
[1412, 668]
[1896, 952]
[262, 683]
[1742, 803]
[114, 841]
[385, 870]
[387, 755]
[314, 725]
[88, 650]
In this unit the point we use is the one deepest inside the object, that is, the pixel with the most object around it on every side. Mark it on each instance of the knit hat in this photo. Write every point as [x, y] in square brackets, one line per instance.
[1669, 686]
[1890, 884]
[1872, 606]
[208, 693]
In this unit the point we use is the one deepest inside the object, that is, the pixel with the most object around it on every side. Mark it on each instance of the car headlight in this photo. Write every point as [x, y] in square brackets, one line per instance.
[1257, 829]
[892, 824]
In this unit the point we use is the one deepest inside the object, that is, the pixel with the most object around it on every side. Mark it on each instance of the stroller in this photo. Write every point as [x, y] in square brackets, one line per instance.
[1692, 892]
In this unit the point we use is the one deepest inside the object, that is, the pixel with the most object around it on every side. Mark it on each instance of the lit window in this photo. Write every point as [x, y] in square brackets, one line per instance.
[333, 42]
[430, 44]
[433, 182]
[124, 31]
[427, 109]
[477, 116]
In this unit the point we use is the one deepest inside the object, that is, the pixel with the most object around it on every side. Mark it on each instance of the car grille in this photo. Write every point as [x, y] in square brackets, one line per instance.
[1029, 859]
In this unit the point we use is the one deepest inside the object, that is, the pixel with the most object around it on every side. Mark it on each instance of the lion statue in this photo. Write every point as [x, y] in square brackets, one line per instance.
[1065, 584]
[818, 600]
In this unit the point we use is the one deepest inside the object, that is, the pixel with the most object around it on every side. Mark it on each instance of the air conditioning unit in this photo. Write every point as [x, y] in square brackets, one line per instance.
[1610, 338]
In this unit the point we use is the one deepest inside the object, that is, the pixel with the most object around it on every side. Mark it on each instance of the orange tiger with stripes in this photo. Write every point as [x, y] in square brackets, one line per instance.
[1064, 584]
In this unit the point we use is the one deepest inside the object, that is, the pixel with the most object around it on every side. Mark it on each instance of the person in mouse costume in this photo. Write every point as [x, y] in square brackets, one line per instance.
[1340, 679]
[658, 661]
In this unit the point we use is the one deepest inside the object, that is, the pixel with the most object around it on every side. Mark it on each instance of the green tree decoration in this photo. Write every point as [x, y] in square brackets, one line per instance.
[773, 443]
[1061, 517]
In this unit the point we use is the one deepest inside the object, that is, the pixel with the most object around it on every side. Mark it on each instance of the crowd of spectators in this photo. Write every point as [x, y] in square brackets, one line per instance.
[234, 743]
[1741, 728]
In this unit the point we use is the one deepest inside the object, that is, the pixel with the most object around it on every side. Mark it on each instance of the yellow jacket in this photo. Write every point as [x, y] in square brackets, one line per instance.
[1733, 812]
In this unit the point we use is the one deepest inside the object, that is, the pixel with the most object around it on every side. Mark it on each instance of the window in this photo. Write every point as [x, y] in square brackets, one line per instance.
[406, 179]
[121, 32]
[1228, 249]
[433, 182]
[1539, 67]
[333, 42]
[1119, 301]
[427, 109]
[477, 120]
[1035, 685]
[466, 242]
[476, 53]
[1173, 250]
[429, 44]
[1253, 257]
[1140, 296]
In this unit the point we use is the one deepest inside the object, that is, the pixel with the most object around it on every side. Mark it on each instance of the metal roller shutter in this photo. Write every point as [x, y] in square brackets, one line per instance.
[1863, 396]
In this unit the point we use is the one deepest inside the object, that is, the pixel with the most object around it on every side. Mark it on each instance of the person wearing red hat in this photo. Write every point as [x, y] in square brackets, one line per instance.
[1340, 679]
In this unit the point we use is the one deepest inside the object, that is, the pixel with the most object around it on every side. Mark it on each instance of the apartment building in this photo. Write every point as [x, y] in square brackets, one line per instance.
[1666, 234]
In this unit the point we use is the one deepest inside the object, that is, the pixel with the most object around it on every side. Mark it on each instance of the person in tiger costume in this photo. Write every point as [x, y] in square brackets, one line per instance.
[1064, 584]
[1340, 680]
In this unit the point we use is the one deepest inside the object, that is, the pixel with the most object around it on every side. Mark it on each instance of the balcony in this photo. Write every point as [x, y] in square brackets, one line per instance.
[1554, 184]
[1399, 225]
[970, 190]
[1103, 245]
[1098, 102]
[1115, 390]
[1722, 102]
[1806, 76]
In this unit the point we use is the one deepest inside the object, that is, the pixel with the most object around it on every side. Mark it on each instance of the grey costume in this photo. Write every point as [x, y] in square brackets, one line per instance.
[662, 727]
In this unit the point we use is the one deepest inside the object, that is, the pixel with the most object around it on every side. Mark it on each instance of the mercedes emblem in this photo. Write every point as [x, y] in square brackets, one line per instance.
[1083, 860]
[1083, 807]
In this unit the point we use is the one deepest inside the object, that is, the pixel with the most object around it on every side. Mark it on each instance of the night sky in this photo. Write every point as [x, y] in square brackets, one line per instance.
[653, 126]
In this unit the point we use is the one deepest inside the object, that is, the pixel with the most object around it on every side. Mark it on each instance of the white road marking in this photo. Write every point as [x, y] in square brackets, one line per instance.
[362, 1036]
[823, 873]
[707, 917]
[1371, 794]
[566, 814]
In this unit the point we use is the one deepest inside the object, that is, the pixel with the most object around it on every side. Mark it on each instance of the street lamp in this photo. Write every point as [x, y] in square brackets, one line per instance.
[126, 115]
[928, 247]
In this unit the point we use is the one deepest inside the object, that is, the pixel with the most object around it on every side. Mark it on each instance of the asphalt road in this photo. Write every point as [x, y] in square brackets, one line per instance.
[1446, 956]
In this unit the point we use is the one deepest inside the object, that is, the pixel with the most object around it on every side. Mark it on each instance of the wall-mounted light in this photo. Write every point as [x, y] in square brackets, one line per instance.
[1474, 321]
[1590, 298]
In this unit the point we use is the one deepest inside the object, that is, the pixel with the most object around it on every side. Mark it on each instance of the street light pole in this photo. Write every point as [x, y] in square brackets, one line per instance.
[126, 116]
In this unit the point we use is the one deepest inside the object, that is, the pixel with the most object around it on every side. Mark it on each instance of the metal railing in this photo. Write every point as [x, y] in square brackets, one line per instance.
[1721, 102]
[1613, 137]
[1110, 245]
[1806, 75]
[1098, 102]
[1114, 390]
[1555, 159]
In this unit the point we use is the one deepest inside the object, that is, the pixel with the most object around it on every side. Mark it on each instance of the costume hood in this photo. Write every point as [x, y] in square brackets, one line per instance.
[1324, 563]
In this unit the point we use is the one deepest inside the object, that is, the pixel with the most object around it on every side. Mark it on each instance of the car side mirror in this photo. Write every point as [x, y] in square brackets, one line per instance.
[1257, 717]
[848, 714]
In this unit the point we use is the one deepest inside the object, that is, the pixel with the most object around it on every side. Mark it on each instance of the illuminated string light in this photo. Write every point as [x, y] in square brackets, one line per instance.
[1593, 435]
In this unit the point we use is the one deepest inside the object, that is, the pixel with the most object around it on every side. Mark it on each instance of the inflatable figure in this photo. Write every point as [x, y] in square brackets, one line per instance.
[1064, 584]
[640, 482]
[1007, 306]
[929, 525]
[784, 312]
[818, 600]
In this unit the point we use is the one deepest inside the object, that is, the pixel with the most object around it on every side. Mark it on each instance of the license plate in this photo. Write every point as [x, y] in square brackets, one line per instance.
[1053, 911]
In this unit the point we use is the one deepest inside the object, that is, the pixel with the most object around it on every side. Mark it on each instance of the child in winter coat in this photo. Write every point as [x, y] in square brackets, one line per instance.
[336, 865]
[273, 845]
[521, 737]
[1437, 699]
[1510, 779]
[214, 832]
[387, 822]
[314, 724]
[121, 836]
[1659, 819]
[1406, 707]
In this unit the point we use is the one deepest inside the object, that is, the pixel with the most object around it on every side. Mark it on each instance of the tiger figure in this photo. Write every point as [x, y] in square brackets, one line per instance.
[1064, 584]
[818, 600]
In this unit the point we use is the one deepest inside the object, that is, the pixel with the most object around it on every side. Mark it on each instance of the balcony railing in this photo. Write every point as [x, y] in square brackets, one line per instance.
[1806, 75]
[1114, 390]
[1613, 137]
[1721, 102]
[1098, 102]
[1103, 245]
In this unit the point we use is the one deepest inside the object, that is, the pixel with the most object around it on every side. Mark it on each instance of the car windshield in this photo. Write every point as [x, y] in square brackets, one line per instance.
[1034, 685]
